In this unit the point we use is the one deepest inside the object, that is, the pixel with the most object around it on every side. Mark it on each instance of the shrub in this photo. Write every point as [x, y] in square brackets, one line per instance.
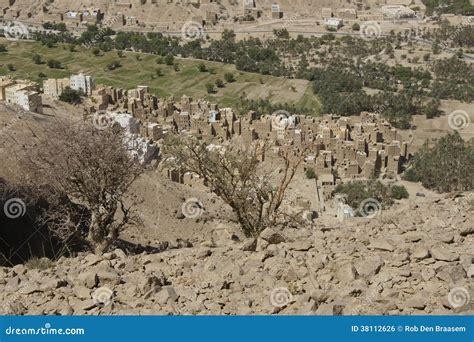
[219, 83]
[398, 192]
[410, 175]
[356, 192]
[310, 174]
[39, 264]
[229, 77]
[114, 65]
[202, 67]
[210, 88]
[37, 59]
[54, 64]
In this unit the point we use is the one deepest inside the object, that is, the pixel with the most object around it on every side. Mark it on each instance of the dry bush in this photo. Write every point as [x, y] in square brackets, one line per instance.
[83, 173]
[235, 176]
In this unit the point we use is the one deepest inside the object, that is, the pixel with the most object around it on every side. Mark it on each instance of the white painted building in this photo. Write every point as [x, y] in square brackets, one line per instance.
[29, 100]
[334, 23]
[82, 82]
[142, 149]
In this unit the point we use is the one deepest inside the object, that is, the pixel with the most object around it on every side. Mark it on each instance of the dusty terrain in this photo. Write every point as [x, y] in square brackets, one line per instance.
[394, 264]
[407, 261]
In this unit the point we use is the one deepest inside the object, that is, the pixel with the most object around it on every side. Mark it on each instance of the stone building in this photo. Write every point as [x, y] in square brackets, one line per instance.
[54, 87]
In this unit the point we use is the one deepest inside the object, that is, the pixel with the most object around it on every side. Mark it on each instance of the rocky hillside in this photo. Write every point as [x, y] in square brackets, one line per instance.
[403, 262]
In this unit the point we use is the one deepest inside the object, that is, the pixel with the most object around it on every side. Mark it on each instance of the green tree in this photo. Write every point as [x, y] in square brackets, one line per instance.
[446, 166]
[70, 95]
[37, 59]
[219, 83]
[398, 192]
[202, 67]
[210, 88]
[54, 64]
[169, 59]
[229, 77]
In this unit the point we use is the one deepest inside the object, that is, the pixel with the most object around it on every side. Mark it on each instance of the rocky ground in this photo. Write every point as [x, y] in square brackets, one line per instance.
[404, 262]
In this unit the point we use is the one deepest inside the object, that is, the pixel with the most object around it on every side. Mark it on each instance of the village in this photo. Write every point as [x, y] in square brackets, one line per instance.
[341, 149]
[211, 17]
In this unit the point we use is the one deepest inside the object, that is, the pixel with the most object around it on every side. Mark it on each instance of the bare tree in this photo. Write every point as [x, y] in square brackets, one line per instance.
[83, 173]
[236, 176]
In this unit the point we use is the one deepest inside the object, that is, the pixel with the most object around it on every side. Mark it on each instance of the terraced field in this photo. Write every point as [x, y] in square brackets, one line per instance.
[141, 69]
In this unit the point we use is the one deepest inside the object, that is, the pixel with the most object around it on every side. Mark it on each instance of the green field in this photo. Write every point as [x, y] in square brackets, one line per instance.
[187, 81]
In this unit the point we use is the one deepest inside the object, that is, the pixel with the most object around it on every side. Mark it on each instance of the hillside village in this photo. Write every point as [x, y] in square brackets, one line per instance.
[341, 148]
[207, 16]
[295, 211]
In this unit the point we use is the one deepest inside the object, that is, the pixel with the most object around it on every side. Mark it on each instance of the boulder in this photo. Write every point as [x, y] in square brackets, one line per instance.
[443, 253]
[87, 279]
[272, 236]
[368, 267]
[382, 245]
[420, 253]
[167, 294]
[249, 245]
[302, 245]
